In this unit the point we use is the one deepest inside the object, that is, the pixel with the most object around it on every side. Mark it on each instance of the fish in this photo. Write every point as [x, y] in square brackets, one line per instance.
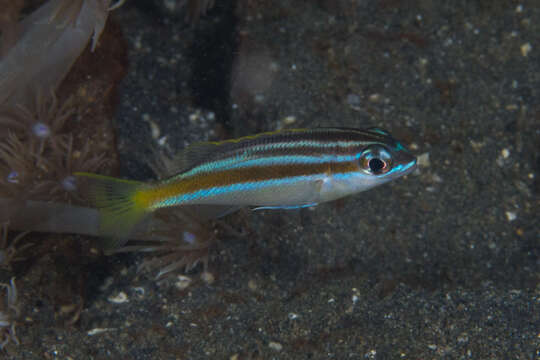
[286, 169]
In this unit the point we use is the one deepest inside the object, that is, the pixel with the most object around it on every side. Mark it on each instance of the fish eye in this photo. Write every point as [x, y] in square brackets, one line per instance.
[376, 160]
[376, 165]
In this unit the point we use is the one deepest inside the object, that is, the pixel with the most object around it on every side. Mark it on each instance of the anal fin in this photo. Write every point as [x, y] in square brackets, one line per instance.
[286, 207]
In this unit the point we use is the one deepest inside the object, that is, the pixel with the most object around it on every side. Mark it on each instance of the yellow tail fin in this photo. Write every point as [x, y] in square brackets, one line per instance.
[121, 204]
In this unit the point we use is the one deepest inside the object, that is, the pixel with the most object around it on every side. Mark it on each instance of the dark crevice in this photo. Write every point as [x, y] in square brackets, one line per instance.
[212, 56]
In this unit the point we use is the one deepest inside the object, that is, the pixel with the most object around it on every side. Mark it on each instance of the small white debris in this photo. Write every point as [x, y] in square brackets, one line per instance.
[374, 98]
[162, 141]
[422, 160]
[275, 346]
[288, 120]
[511, 107]
[371, 354]
[154, 128]
[526, 49]
[139, 291]
[519, 8]
[505, 153]
[182, 282]
[436, 178]
[293, 316]
[119, 299]
[97, 331]
[207, 277]
[432, 347]
[511, 215]
[194, 117]
[477, 145]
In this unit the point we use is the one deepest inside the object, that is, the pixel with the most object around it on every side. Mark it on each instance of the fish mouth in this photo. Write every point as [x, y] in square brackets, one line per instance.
[410, 166]
[407, 163]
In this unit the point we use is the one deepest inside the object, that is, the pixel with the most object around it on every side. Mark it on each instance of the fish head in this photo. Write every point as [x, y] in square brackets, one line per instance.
[382, 159]
[374, 158]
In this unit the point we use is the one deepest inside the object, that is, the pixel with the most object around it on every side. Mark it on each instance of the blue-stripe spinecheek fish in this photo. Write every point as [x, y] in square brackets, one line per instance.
[275, 170]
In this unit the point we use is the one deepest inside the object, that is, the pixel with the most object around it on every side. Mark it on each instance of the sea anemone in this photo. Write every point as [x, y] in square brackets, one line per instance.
[49, 41]
[17, 166]
[42, 124]
[183, 243]
[8, 248]
[57, 182]
[8, 314]
[26, 175]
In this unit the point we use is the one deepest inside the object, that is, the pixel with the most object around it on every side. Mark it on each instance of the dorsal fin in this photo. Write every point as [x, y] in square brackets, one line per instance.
[166, 165]
[195, 154]
[378, 130]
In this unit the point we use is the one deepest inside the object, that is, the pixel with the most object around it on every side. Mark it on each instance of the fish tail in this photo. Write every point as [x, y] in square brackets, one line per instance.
[121, 204]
